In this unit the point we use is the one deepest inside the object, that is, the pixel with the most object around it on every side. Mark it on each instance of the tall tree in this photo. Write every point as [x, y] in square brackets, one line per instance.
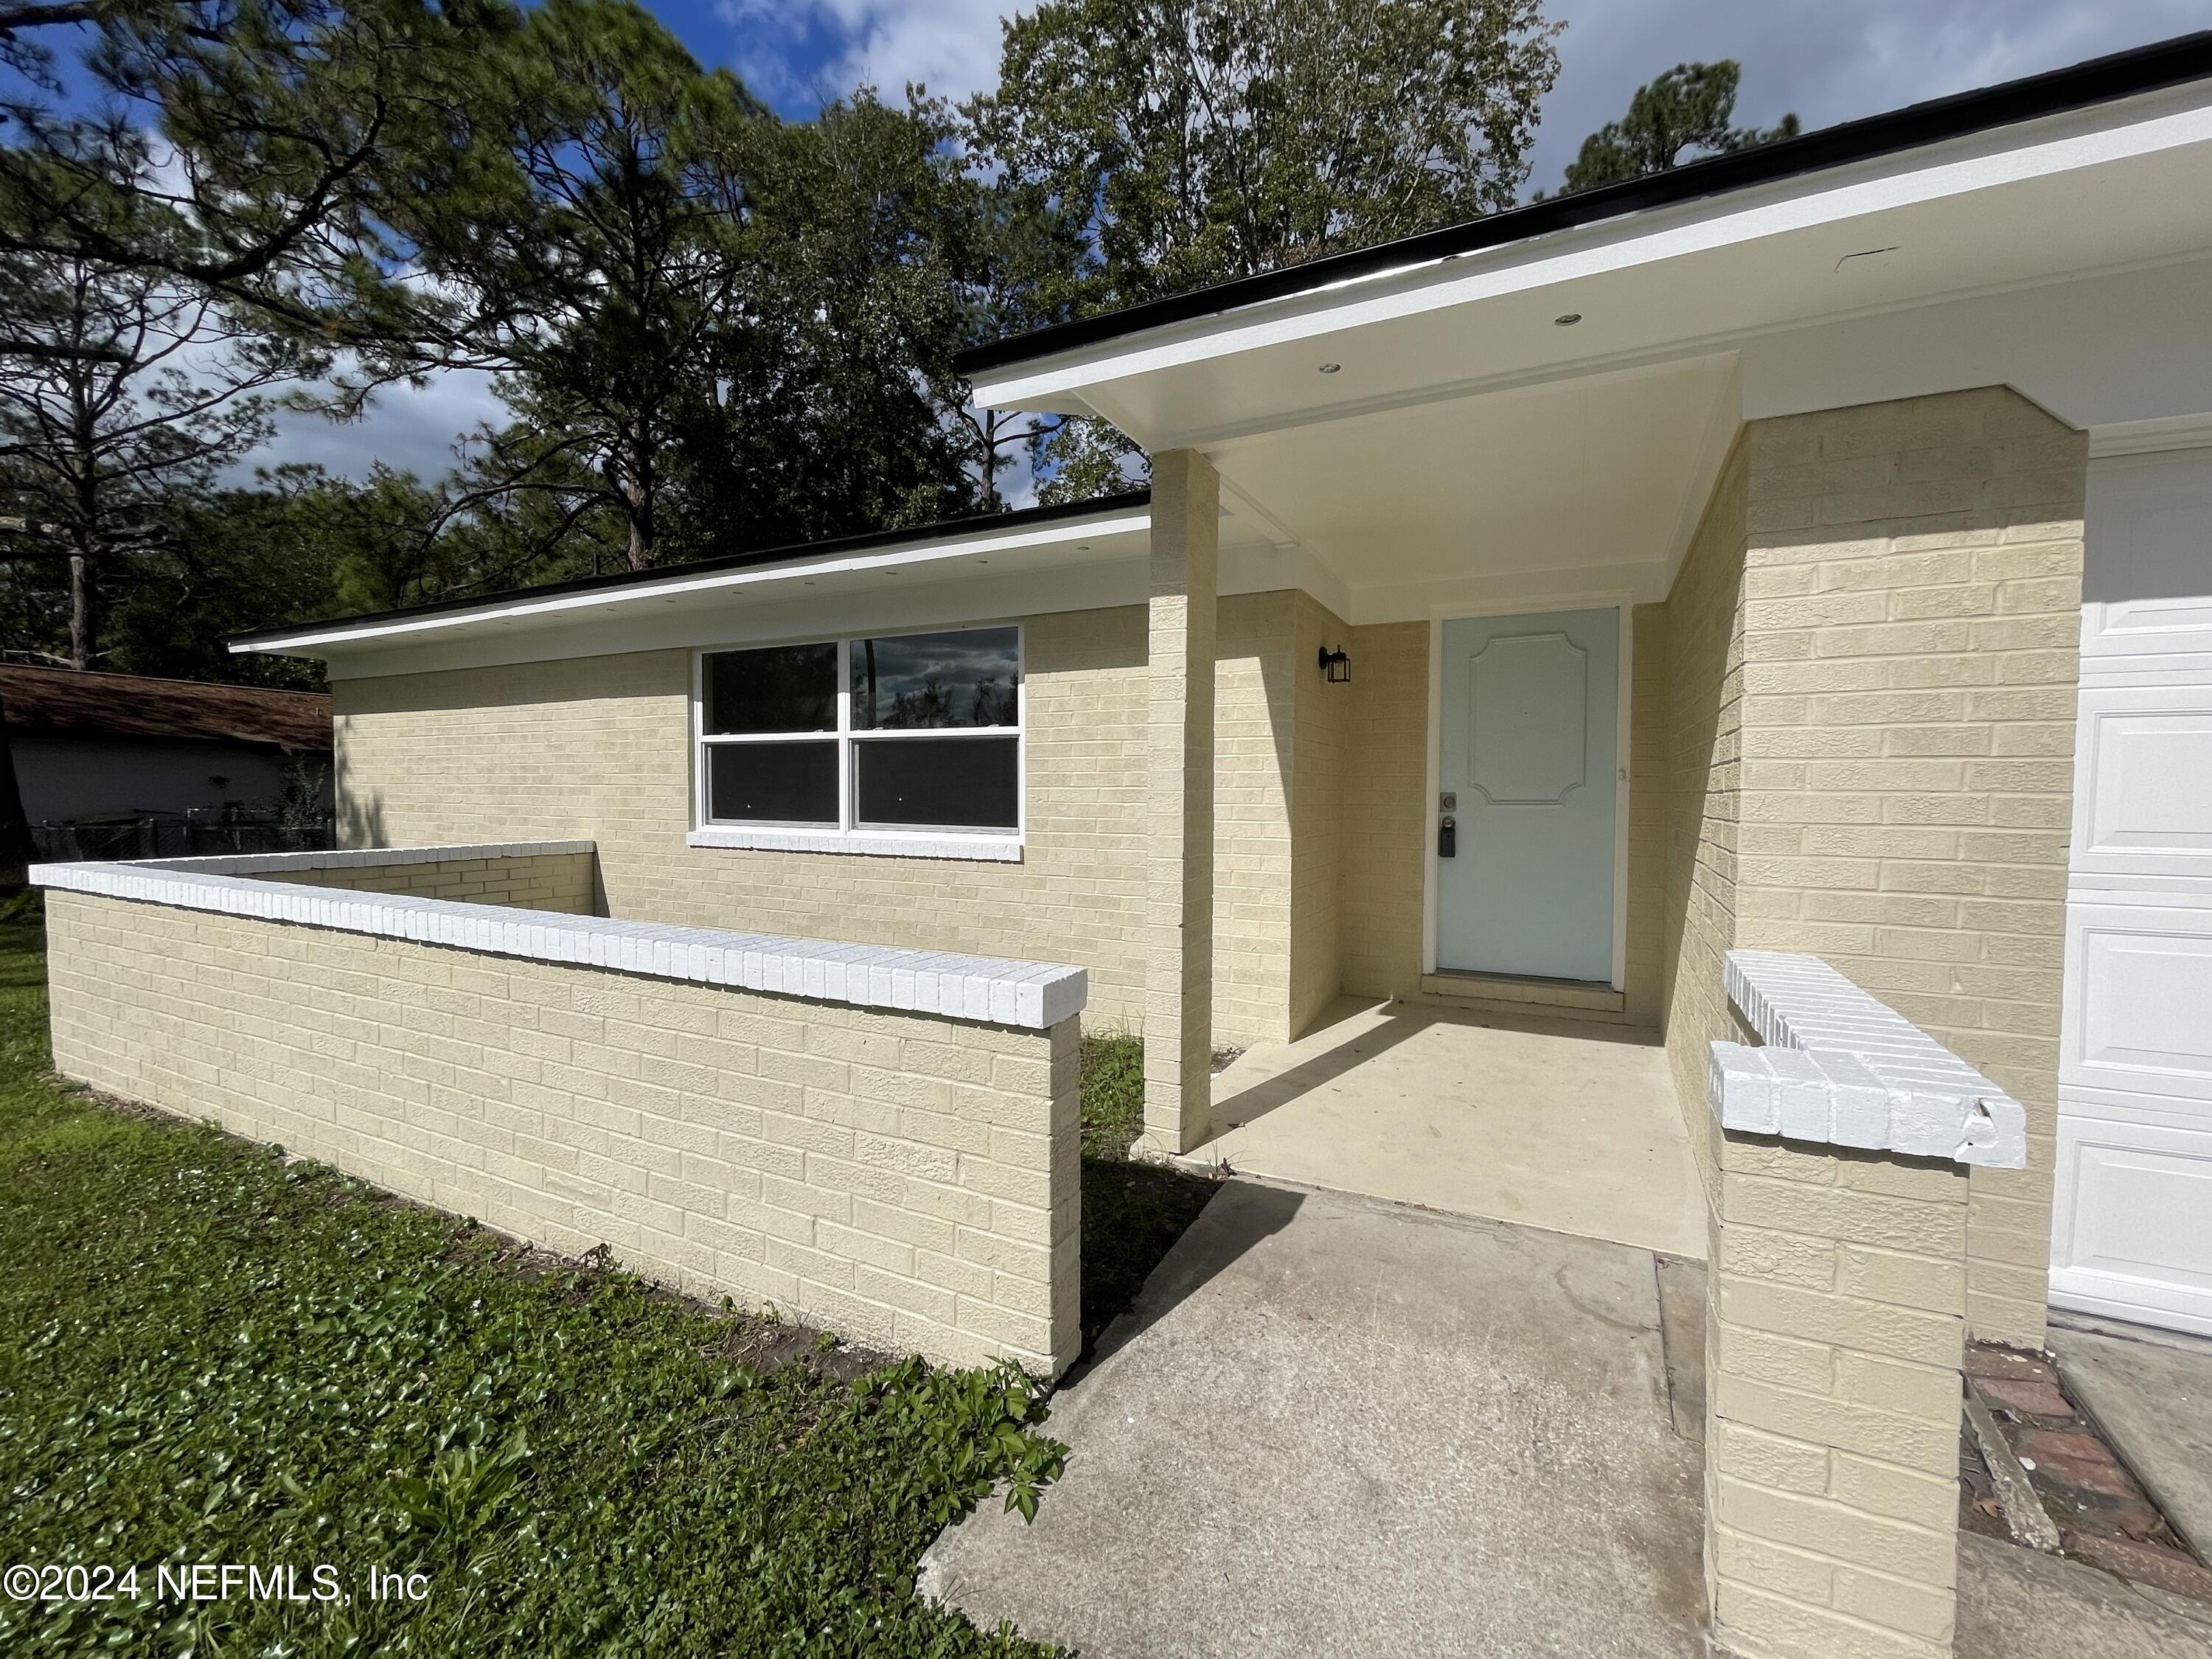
[1202, 140]
[242, 145]
[580, 249]
[134, 394]
[1687, 109]
[829, 405]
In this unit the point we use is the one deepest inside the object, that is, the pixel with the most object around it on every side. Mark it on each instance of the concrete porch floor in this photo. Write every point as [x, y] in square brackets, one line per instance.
[1569, 1125]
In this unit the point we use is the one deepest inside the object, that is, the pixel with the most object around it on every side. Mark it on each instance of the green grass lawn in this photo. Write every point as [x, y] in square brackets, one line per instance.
[207, 1356]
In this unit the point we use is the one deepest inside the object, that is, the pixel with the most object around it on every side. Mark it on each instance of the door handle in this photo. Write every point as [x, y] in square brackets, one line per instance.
[1447, 836]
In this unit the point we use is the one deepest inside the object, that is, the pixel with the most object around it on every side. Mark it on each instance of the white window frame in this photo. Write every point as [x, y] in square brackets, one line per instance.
[997, 845]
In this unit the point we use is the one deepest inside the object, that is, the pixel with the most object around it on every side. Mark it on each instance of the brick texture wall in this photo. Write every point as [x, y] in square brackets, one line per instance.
[1911, 625]
[1649, 777]
[1253, 743]
[1704, 718]
[599, 748]
[1832, 1350]
[1321, 760]
[1385, 809]
[566, 882]
[910, 1181]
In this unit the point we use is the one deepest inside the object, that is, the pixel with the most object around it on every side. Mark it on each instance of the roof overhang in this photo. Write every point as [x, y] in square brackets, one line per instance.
[2118, 182]
[994, 546]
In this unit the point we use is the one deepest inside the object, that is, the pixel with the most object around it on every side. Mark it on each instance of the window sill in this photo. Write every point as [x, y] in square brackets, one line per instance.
[864, 843]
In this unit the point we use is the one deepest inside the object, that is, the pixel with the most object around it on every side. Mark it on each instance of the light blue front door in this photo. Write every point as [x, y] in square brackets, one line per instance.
[1529, 747]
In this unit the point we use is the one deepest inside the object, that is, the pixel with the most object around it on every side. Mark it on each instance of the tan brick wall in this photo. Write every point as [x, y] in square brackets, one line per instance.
[1650, 768]
[1705, 718]
[1385, 809]
[1320, 761]
[1912, 629]
[1255, 720]
[566, 882]
[599, 748]
[910, 1181]
[1833, 1344]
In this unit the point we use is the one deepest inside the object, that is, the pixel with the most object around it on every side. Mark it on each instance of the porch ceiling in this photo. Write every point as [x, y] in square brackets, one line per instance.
[1584, 486]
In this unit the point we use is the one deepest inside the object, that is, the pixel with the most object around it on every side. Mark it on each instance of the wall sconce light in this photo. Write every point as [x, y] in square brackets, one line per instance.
[1336, 666]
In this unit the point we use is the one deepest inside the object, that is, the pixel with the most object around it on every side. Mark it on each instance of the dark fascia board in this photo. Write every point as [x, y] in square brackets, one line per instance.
[944, 530]
[2099, 81]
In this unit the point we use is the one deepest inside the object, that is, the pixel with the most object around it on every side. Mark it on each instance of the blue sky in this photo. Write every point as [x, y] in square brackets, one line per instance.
[1826, 62]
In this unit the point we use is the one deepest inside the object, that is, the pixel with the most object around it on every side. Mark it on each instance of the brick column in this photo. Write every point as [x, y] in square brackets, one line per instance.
[1911, 633]
[1179, 803]
[1835, 1316]
[1834, 1335]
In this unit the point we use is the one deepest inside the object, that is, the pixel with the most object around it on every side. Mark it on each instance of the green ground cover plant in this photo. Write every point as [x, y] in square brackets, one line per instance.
[1133, 1211]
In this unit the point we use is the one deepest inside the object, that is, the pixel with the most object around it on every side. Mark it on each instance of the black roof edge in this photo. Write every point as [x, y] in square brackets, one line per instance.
[2079, 86]
[941, 530]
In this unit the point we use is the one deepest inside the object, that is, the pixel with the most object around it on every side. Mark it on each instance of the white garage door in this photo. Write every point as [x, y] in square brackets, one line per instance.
[2132, 1234]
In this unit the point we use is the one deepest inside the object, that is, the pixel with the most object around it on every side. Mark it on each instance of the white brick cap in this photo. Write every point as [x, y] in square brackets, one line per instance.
[1843, 1069]
[990, 990]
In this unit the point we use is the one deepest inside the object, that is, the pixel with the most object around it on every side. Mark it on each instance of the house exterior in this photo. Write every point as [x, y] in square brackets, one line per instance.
[1780, 464]
[108, 746]
[1593, 614]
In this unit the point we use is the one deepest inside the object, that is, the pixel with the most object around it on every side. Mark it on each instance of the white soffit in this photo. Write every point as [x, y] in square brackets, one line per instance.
[1567, 488]
[2123, 184]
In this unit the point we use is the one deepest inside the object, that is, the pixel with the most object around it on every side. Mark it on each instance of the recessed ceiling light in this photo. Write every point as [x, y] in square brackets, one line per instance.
[1568, 318]
[1331, 368]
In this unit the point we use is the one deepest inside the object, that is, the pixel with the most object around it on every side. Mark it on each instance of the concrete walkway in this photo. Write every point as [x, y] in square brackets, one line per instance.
[1333, 1427]
[2150, 1391]
[1561, 1124]
[2016, 1603]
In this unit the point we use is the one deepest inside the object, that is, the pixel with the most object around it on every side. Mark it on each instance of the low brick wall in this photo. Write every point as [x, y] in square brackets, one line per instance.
[547, 875]
[893, 1153]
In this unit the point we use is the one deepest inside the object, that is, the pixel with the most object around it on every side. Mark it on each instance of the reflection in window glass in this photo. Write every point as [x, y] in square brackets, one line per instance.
[941, 783]
[785, 687]
[773, 782]
[920, 681]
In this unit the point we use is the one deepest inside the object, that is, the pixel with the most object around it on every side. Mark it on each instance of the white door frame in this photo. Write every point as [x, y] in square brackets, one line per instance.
[1622, 599]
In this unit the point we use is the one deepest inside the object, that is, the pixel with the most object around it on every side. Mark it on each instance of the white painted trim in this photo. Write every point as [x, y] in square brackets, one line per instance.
[991, 990]
[679, 585]
[2150, 437]
[866, 843]
[2167, 119]
[1431, 893]
[1841, 1068]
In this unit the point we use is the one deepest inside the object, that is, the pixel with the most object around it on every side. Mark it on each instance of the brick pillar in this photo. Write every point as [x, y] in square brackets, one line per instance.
[1835, 1331]
[1911, 629]
[1179, 801]
[1835, 1316]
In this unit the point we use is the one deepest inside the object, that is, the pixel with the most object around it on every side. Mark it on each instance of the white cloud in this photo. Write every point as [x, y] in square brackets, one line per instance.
[414, 431]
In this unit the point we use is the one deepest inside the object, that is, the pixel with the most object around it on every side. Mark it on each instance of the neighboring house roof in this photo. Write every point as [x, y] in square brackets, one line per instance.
[879, 548]
[2102, 80]
[64, 703]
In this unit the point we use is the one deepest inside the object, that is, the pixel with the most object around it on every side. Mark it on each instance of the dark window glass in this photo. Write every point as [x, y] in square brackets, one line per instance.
[773, 782]
[970, 678]
[952, 783]
[786, 688]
